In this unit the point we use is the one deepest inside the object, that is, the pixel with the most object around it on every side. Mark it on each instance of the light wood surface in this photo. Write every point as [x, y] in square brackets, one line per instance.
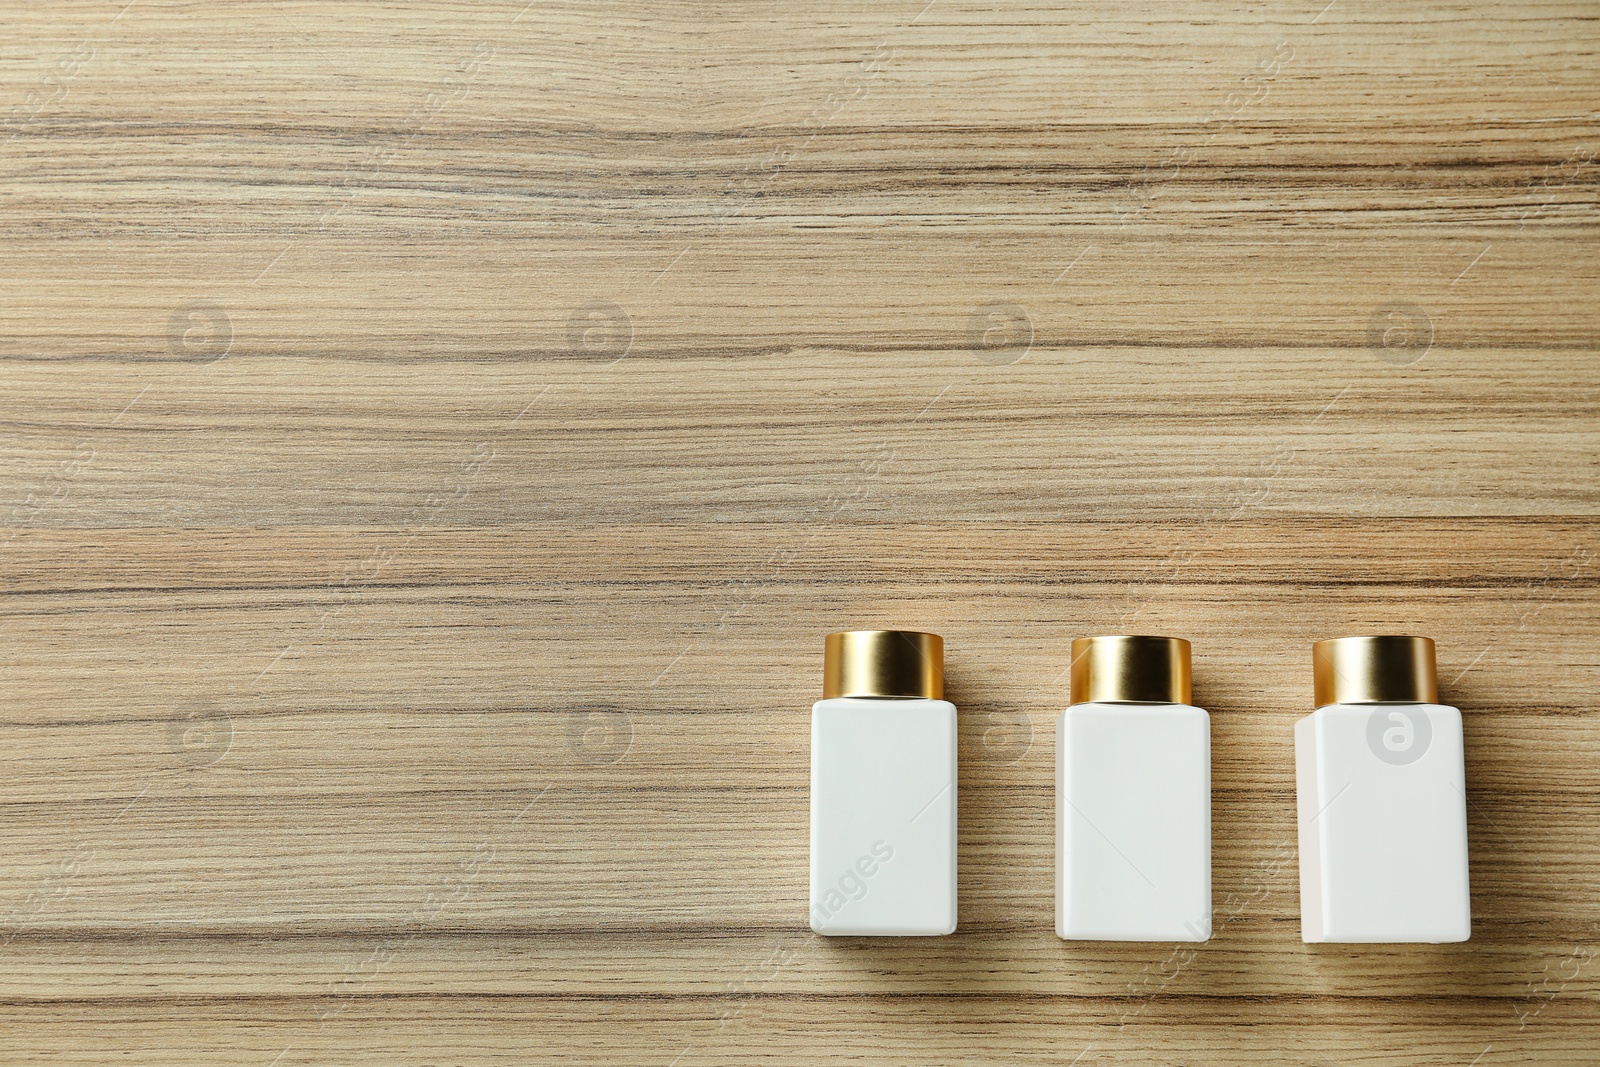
[436, 437]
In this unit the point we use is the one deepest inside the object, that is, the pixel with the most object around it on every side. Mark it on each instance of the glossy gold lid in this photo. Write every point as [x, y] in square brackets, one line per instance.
[1151, 670]
[883, 663]
[1370, 670]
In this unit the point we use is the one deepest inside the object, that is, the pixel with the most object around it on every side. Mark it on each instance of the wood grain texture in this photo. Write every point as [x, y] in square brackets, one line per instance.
[436, 436]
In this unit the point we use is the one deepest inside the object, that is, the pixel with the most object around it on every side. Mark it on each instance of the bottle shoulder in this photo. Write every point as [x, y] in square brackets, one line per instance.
[869, 705]
[1109, 708]
[1329, 711]
[1351, 716]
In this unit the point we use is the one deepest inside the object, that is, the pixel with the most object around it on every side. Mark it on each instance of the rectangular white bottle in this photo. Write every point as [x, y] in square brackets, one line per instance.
[1380, 782]
[1133, 796]
[883, 788]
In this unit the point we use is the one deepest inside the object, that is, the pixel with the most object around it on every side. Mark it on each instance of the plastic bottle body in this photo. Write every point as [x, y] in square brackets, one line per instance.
[883, 817]
[1382, 811]
[1133, 822]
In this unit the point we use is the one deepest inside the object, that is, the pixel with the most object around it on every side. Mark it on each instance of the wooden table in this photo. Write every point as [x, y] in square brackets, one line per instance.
[438, 435]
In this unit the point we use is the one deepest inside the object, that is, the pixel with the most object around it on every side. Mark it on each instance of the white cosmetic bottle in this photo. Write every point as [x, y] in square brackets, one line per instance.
[1381, 788]
[1133, 796]
[883, 788]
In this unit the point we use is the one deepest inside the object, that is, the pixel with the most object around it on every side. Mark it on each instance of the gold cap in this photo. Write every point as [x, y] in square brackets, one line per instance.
[883, 663]
[1369, 670]
[1152, 670]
